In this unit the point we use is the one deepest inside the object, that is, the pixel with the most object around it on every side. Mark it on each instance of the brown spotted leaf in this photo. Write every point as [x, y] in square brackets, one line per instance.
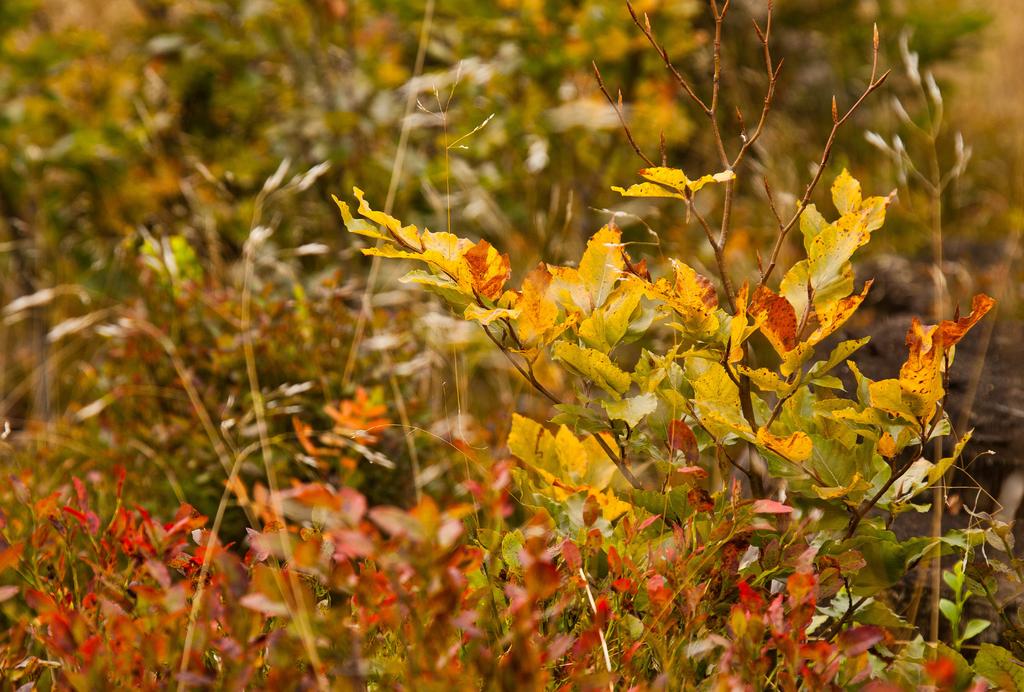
[779, 320]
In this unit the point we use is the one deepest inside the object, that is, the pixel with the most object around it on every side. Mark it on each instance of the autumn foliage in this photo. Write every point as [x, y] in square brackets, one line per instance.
[697, 487]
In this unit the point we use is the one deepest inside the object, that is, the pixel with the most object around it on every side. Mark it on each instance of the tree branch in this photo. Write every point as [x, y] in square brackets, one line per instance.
[837, 122]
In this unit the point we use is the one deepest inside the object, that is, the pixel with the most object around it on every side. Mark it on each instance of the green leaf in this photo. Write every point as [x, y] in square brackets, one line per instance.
[607, 325]
[840, 353]
[999, 667]
[594, 366]
[948, 610]
[974, 627]
[511, 543]
[673, 505]
[633, 409]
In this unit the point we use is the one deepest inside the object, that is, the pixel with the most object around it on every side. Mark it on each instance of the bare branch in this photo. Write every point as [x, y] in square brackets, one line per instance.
[837, 122]
[622, 118]
[772, 71]
[645, 28]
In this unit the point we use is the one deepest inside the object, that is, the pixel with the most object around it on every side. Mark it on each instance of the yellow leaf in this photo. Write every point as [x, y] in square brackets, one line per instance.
[831, 245]
[646, 190]
[887, 395]
[856, 485]
[632, 410]
[602, 264]
[594, 366]
[566, 464]
[572, 455]
[357, 226]
[474, 270]
[765, 380]
[523, 438]
[407, 236]
[921, 375]
[588, 286]
[611, 507]
[488, 315]
[738, 331]
[691, 296]
[671, 182]
[717, 400]
[936, 473]
[846, 193]
[794, 360]
[793, 287]
[811, 224]
[836, 314]
[887, 446]
[796, 447]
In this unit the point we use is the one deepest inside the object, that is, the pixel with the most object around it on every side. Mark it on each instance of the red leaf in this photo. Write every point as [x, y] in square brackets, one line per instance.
[76, 514]
[942, 671]
[623, 585]
[631, 651]
[771, 507]
[750, 599]
[351, 544]
[856, 641]
[614, 561]
[571, 555]
[603, 613]
[647, 522]
[681, 438]
[262, 603]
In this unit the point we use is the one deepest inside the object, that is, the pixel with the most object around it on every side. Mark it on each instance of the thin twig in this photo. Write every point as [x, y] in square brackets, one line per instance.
[617, 106]
[645, 28]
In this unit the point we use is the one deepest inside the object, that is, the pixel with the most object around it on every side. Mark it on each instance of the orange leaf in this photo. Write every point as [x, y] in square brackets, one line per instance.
[952, 331]
[780, 323]
[921, 375]
[538, 313]
[488, 268]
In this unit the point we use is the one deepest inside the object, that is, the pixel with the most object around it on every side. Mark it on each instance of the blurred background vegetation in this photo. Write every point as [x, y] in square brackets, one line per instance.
[166, 169]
